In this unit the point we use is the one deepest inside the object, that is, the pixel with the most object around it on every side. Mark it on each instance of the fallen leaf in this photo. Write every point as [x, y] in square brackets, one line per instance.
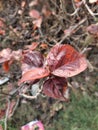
[32, 46]
[38, 22]
[34, 14]
[5, 55]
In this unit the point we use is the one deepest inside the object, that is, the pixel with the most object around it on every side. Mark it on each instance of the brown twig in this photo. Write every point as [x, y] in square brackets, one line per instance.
[72, 28]
[89, 10]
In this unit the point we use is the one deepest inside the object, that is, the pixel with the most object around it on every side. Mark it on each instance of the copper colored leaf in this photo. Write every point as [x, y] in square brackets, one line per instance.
[71, 69]
[65, 61]
[5, 66]
[55, 87]
[33, 74]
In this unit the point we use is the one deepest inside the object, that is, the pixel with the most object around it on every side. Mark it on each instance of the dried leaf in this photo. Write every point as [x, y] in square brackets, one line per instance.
[2, 31]
[31, 47]
[34, 14]
[33, 74]
[2, 113]
[93, 29]
[65, 61]
[5, 55]
[38, 22]
[55, 88]
[5, 66]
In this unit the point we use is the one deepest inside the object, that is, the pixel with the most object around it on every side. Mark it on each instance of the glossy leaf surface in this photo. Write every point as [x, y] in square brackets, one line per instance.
[65, 61]
[55, 87]
[31, 60]
[33, 74]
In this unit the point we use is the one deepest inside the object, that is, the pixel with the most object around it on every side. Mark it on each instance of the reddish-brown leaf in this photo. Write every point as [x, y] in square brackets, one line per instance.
[5, 66]
[2, 113]
[65, 61]
[55, 88]
[31, 60]
[71, 69]
[33, 74]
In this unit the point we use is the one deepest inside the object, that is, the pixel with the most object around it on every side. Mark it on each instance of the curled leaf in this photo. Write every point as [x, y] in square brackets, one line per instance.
[55, 88]
[33, 74]
[65, 61]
